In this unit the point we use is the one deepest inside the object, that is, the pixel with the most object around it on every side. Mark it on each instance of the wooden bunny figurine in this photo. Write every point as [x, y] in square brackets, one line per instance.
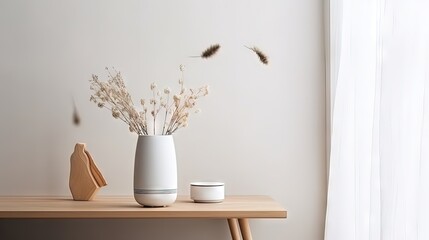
[85, 178]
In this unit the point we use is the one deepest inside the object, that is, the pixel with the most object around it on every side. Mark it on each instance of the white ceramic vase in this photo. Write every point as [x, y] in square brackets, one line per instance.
[155, 171]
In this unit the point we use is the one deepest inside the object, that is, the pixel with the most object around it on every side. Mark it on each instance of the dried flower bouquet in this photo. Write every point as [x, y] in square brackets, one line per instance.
[170, 110]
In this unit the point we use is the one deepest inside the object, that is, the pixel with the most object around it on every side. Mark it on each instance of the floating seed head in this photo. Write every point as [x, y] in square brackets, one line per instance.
[262, 57]
[210, 51]
[76, 117]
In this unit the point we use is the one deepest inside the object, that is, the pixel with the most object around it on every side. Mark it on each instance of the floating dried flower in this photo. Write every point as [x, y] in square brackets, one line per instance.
[262, 57]
[76, 118]
[210, 51]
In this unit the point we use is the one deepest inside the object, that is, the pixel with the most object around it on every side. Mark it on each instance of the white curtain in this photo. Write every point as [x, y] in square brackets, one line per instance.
[379, 95]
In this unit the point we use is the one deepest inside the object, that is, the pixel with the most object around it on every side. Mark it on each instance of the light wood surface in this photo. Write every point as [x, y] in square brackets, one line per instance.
[126, 207]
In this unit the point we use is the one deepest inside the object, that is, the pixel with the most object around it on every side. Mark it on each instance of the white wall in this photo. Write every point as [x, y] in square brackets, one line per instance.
[261, 131]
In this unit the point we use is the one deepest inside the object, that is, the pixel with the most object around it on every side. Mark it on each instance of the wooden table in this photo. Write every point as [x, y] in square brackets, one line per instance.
[236, 209]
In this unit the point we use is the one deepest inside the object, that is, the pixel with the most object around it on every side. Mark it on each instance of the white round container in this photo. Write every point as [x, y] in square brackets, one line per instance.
[207, 192]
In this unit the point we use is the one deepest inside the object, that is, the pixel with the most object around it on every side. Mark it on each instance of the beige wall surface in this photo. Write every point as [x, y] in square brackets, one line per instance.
[261, 129]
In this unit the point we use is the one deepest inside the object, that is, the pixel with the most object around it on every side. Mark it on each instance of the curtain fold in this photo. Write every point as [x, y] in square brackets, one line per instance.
[379, 157]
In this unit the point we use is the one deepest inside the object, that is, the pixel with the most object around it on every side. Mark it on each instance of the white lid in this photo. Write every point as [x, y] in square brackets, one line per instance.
[207, 184]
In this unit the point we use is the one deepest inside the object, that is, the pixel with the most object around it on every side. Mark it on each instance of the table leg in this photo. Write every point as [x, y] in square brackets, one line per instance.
[233, 227]
[245, 228]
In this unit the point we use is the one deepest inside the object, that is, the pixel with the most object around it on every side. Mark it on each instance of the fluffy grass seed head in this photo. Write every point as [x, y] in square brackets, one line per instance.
[262, 56]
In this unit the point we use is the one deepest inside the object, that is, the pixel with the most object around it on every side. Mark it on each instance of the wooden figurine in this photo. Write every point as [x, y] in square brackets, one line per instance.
[85, 178]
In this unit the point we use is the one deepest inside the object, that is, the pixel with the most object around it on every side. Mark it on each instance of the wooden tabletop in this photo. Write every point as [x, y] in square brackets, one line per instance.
[127, 207]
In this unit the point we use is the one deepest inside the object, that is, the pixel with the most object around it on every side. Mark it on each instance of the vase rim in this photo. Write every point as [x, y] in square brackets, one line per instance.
[155, 135]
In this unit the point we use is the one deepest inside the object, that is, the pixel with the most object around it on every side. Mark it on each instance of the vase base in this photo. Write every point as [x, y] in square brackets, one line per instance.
[155, 200]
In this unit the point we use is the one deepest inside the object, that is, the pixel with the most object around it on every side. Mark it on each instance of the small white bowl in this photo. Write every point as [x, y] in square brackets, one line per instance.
[207, 192]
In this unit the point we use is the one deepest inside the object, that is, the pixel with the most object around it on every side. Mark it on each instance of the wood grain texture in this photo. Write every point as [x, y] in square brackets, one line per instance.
[245, 228]
[85, 178]
[127, 207]
[234, 228]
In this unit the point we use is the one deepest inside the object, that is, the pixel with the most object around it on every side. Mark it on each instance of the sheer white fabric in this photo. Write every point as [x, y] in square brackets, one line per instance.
[379, 158]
